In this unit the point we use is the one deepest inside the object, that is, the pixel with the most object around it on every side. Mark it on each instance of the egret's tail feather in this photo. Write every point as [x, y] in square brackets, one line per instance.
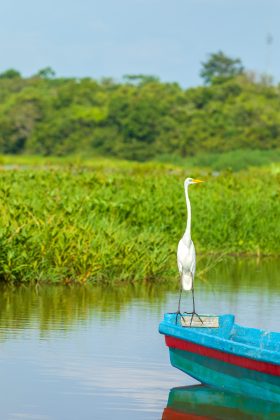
[187, 281]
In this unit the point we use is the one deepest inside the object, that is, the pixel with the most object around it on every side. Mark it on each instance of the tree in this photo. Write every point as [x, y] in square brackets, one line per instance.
[140, 79]
[140, 119]
[46, 73]
[219, 67]
[10, 74]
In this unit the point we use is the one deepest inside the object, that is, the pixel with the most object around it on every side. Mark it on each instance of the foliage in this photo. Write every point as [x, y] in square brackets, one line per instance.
[118, 221]
[234, 160]
[10, 74]
[46, 73]
[139, 119]
[220, 67]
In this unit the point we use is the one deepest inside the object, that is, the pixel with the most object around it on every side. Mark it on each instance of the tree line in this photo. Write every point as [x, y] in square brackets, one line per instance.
[140, 117]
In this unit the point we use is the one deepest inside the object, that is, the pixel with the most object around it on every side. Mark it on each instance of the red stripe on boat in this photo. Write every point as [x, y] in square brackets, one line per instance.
[233, 359]
[170, 414]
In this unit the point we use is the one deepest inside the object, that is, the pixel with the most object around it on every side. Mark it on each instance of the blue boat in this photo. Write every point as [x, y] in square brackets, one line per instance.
[225, 355]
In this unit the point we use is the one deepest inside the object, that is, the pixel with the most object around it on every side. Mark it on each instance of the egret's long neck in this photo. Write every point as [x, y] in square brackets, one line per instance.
[189, 220]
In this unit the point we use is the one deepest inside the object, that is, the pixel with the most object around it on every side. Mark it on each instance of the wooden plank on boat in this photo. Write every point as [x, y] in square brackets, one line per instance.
[203, 321]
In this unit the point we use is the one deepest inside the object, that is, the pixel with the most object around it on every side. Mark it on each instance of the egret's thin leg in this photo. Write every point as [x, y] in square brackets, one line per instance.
[194, 312]
[193, 302]
[179, 305]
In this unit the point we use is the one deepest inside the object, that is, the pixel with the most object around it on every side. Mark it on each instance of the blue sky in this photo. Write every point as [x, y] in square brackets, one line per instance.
[167, 38]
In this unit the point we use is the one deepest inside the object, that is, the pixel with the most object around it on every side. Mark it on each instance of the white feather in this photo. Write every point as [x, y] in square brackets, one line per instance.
[186, 261]
[186, 258]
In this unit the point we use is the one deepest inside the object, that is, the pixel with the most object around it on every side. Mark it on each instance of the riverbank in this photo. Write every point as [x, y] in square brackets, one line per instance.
[118, 221]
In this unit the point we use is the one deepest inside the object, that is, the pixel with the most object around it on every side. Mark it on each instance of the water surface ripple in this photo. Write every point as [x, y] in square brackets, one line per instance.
[95, 353]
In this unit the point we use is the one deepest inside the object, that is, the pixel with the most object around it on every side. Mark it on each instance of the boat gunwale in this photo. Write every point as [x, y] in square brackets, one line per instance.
[226, 345]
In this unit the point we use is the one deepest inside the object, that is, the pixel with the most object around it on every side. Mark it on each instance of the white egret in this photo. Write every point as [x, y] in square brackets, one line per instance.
[186, 258]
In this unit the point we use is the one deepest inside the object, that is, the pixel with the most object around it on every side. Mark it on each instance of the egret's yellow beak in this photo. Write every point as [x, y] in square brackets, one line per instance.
[197, 180]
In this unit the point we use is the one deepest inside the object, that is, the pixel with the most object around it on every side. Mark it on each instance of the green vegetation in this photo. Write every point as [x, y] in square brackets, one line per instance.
[119, 221]
[234, 160]
[219, 68]
[95, 217]
[140, 118]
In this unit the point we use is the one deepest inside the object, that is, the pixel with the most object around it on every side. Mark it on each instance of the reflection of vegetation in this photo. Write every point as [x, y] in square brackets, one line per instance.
[245, 274]
[123, 221]
[60, 307]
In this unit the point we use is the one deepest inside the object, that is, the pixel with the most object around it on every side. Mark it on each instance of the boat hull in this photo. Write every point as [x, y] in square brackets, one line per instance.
[223, 375]
[229, 357]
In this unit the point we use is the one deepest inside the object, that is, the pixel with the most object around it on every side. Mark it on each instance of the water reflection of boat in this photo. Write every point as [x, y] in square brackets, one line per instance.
[238, 359]
[202, 402]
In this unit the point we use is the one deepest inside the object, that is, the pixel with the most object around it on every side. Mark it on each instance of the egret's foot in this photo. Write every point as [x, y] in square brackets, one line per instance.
[177, 315]
[192, 315]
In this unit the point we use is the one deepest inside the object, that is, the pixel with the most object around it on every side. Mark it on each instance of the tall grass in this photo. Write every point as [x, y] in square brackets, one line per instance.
[121, 222]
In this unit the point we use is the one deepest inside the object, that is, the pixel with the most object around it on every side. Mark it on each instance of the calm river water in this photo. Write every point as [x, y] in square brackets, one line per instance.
[95, 353]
